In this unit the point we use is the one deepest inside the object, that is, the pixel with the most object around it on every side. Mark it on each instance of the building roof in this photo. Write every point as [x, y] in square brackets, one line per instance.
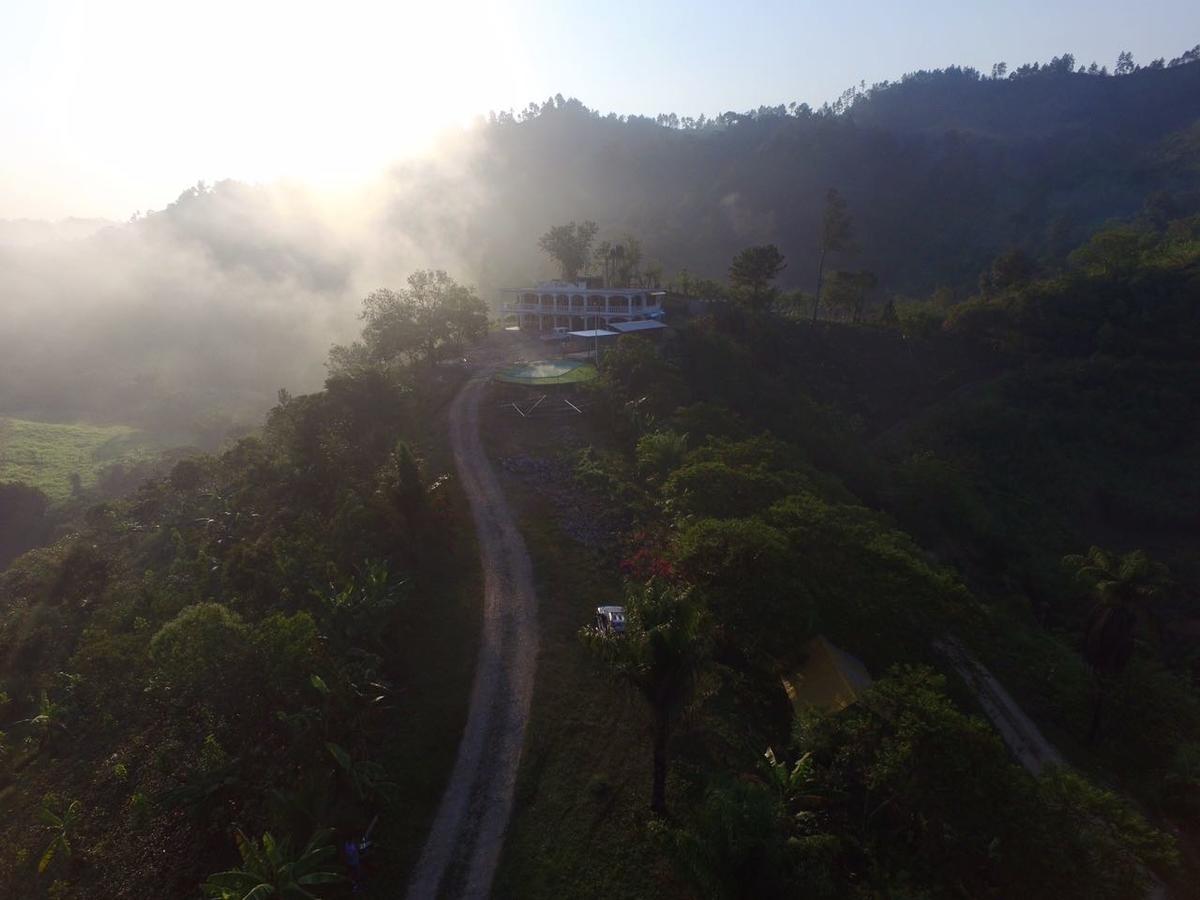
[593, 333]
[641, 325]
[582, 288]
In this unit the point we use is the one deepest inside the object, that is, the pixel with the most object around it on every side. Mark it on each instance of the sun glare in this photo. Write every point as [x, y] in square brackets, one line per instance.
[155, 95]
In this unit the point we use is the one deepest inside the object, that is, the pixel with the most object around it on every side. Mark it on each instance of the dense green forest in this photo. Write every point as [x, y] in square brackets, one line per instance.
[213, 656]
[932, 381]
[208, 667]
[891, 484]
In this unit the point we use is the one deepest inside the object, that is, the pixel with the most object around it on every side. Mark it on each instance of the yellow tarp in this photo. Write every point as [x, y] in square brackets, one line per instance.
[830, 679]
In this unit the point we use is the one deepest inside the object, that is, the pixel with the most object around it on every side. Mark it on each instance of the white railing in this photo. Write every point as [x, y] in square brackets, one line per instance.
[581, 310]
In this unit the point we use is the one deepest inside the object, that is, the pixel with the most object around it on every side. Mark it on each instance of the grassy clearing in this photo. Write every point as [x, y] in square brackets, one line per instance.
[45, 455]
[579, 825]
[549, 372]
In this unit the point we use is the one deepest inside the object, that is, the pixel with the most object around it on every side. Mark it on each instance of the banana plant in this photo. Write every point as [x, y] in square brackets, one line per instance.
[367, 778]
[47, 720]
[794, 785]
[270, 870]
[62, 824]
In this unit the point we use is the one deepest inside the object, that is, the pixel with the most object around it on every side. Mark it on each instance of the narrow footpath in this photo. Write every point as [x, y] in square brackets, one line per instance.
[463, 848]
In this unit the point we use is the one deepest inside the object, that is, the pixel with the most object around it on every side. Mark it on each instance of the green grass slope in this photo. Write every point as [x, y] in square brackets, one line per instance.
[45, 455]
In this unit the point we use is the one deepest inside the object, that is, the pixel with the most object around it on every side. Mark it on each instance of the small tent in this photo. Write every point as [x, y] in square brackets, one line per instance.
[829, 678]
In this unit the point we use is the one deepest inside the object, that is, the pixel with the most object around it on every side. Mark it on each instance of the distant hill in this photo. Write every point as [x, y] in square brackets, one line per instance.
[29, 232]
[190, 318]
[943, 171]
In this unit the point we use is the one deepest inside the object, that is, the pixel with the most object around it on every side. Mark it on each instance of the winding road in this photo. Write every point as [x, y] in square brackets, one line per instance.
[463, 848]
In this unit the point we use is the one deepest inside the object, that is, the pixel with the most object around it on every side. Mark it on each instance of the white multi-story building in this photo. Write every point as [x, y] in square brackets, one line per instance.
[573, 305]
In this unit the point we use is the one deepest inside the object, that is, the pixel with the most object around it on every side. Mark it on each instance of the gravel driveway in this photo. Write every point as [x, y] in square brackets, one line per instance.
[460, 856]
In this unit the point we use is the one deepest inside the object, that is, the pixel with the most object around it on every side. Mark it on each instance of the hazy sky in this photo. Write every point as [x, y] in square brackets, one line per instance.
[109, 107]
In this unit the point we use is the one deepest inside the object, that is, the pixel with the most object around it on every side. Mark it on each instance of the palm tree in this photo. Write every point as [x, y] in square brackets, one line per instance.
[268, 869]
[662, 653]
[1124, 588]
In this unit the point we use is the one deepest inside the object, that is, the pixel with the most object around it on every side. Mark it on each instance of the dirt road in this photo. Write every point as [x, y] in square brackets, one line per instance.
[1023, 737]
[460, 856]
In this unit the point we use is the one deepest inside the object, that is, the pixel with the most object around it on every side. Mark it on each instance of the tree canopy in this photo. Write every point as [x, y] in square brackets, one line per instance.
[754, 270]
[432, 315]
[570, 246]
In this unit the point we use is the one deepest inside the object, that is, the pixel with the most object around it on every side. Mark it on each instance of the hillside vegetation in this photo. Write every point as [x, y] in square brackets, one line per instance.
[978, 428]
[256, 653]
[888, 485]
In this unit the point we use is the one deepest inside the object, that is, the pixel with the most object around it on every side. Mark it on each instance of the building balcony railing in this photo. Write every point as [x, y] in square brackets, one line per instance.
[580, 310]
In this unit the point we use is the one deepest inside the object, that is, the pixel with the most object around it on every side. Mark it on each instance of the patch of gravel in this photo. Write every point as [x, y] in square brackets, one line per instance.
[581, 515]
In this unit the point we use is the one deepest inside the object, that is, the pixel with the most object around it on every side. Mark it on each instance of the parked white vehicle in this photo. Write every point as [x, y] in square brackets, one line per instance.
[610, 619]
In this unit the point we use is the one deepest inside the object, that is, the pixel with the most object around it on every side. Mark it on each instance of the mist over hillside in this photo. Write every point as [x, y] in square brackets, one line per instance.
[30, 232]
[852, 552]
[187, 320]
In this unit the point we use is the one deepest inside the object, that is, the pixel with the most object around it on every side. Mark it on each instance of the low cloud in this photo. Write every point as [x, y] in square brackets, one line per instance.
[194, 316]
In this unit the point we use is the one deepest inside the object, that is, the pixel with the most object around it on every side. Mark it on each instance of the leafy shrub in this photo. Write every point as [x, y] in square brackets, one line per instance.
[286, 650]
[734, 845]
[358, 612]
[271, 869]
[929, 796]
[1086, 840]
[715, 490]
[140, 807]
[920, 319]
[212, 757]
[202, 653]
[658, 452]
[746, 573]
[869, 583]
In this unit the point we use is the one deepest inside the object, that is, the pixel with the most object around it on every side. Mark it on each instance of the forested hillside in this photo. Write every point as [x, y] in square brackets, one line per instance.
[1016, 474]
[265, 650]
[243, 670]
[944, 171]
[240, 289]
